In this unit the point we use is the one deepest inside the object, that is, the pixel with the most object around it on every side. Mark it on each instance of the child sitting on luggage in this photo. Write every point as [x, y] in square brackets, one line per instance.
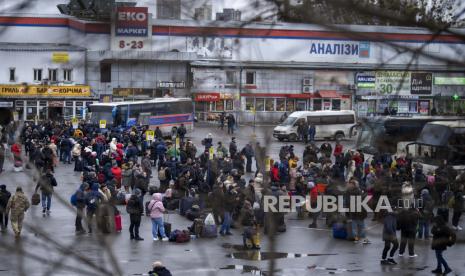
[250, 227]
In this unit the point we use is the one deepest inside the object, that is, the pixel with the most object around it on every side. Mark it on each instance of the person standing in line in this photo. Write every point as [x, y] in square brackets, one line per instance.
[2, 156]
[46, 184]
[408, 229]
[248, 152]
[311, 133]
[389, 238]
[18, 204]
[4, 197]
[443, 237]
[80, 196]
[135, 210]
[457, 206]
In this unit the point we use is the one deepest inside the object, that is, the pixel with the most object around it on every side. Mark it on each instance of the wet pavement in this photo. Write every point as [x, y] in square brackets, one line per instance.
[56, 250]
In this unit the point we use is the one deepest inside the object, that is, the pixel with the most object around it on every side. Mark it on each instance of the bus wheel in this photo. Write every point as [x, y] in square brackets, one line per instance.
[293, 137]
[339, 136]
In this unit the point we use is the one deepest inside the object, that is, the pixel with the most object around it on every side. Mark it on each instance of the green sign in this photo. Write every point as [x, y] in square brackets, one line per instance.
[366, 85]
[449, 81]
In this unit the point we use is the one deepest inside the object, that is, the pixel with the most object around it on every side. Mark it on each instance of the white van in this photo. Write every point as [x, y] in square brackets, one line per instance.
[328, 124]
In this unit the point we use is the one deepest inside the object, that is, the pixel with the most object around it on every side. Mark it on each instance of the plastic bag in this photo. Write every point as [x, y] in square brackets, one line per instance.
[209, 220]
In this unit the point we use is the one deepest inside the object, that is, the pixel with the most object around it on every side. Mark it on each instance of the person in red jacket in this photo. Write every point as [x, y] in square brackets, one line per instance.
[338, 152]
[119, 154]
[117, 174]
[275, 172]
[313, 192]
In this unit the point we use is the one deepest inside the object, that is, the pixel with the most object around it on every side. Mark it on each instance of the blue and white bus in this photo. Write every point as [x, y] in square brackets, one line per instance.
[165, 113]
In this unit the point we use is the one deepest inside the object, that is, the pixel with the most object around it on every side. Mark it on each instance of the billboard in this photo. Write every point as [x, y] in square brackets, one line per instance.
[131, 21]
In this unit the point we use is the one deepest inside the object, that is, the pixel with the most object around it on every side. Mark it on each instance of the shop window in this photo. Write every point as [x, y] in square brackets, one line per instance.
[69, 103]
[230, 78]
[316, 104]
[413, 107]
[37, 74]
[220, 105]
[43, 103]
[229, 105]
[31, 113]
[336, 104]
[269, 104]
[260, 104]
[249, 103]
[280, 104]
[105, 72]
[19, 103]
[327, 104]
[12, 74]
[290, 105]
[52, 74]
[200, 106]
[301, 105]
[250, 78]
[68, 74]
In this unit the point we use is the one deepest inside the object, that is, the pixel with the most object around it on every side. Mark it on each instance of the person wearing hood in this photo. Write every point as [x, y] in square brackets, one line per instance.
[442, 235]
[157, 209]
[113, 146]
[18, 204]
[229, 204]
[93, 199]
[46, 183]
[4, 197]
[426, 214]
[117, 174]
[159, 270]
[135, 210]
[127, 177]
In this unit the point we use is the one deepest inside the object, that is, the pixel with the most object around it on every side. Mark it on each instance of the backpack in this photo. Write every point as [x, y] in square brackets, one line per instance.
[73, 199]
[183, 236]
[162, 174]
[173, 235]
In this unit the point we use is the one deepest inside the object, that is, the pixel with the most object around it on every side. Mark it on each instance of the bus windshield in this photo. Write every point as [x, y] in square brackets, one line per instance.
[289, 121]
[101, 113]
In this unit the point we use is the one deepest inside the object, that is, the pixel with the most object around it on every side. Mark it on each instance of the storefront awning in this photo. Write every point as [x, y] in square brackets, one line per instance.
[329, 94]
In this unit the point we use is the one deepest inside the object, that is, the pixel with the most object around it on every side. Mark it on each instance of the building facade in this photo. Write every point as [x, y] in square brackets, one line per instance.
[259, 71]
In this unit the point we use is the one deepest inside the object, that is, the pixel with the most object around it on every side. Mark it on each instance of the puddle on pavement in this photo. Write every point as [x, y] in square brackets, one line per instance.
[256, 255]
[249, 269]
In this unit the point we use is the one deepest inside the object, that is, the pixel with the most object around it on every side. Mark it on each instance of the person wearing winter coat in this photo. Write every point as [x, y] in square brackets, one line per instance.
[229, 204]
[127, 177]
[146, 165]
[249, 224]
[233, 148]
[80, 195]
[408, 221]
[457, 206]
[135, 210]
[157, 209]
[4, 198]
[426, 214]
[17, 205]
[248, 152]
[389, 238]
[441, 240]
[117, 174]
[46, 183]
[159, 270]
[93, 200]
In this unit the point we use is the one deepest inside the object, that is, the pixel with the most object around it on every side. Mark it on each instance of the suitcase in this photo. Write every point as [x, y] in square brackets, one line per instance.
[35, 200]
[118, 223]
[185, 204]
[349, 231]
[444, 213]
[339, 231]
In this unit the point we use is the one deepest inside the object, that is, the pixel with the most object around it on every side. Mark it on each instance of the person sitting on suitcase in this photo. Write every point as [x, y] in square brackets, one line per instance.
[157, 209]
[250, 226]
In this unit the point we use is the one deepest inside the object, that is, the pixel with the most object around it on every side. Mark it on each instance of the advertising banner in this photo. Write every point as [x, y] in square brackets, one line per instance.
[421, 83]
[45, 90]
[131, 21]
[392, 83]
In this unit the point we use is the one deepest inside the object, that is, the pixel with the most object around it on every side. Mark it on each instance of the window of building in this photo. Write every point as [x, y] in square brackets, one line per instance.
[290, 106]
[269, 104]
[229, 105]
[52, 74]
[336, 104]
[37, 74]
[12, 74]
[231, 78]
[220, 105]
[280, 104]
[250, 78]
[259, 104]
[105, 72]
[68, 74]
[316, 104]
[326, 104]
[249, 103]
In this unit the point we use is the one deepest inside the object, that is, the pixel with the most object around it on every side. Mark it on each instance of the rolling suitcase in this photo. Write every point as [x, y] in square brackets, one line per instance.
[339, 231]
[118, 223]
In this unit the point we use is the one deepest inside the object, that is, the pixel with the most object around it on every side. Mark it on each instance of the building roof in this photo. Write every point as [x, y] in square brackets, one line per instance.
[39, 47]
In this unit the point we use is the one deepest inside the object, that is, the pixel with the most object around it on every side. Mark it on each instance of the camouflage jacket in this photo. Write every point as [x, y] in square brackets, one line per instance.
[18, 204]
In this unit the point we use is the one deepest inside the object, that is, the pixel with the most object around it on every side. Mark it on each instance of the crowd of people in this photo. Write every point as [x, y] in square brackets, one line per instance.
[215, 178]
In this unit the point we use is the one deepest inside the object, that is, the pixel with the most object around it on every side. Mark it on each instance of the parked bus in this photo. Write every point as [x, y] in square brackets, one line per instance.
[166, 113]
[328, 124]
[439, 141]
[386, 134]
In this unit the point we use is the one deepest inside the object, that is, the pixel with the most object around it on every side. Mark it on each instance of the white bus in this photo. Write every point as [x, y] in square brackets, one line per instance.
[328, 124]
[165, 113]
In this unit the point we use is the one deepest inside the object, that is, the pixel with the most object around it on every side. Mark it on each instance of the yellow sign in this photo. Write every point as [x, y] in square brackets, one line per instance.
[212, 152]
[103, 123]
[45, 90]
[60, 57]
[177, 142]
[75, 123]
[267, 164]
[150, 135]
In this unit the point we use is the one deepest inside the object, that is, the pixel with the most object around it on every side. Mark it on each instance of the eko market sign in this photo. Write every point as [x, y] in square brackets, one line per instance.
[354, 49]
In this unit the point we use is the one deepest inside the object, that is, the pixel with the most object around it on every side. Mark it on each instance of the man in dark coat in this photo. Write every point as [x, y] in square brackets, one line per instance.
[443, 237]
[407, 222]
[135, 210]
[4, 197]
